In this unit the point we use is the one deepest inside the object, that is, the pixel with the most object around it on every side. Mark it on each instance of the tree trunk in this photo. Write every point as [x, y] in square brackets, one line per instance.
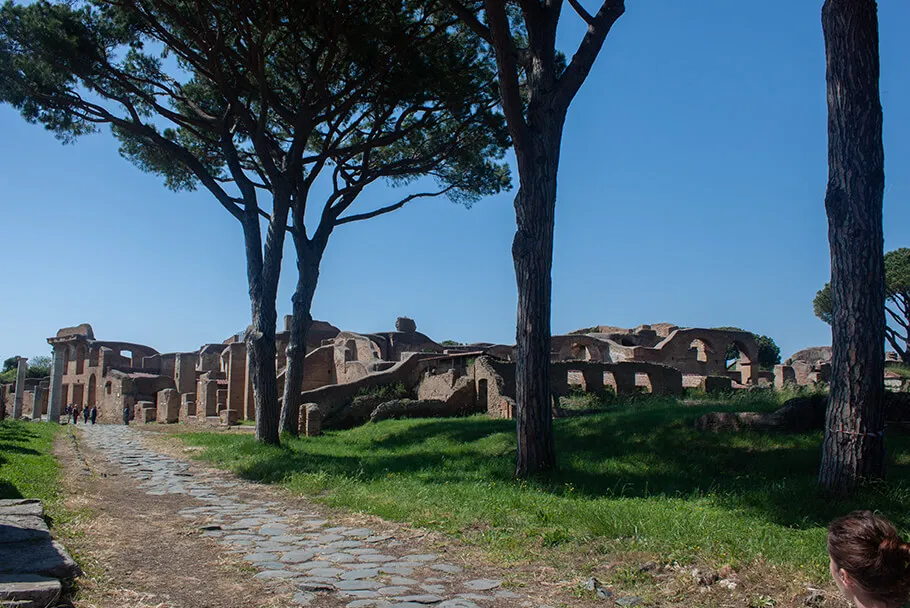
[532, 254]
[263, 271]
[308, 258]
[853, 448]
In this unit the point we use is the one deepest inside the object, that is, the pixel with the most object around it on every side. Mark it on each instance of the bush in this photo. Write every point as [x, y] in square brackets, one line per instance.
[385, 392]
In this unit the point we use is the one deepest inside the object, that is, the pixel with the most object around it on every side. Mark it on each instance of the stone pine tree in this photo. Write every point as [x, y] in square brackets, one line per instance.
[435, 115]
[251, 101]
[897, 302]
[536, 85]
[853, 449]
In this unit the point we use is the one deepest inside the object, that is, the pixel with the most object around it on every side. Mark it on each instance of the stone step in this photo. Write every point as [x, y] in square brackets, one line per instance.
[24, 590]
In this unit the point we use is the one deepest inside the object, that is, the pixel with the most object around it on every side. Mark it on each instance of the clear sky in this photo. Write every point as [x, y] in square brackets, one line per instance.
[690, 191]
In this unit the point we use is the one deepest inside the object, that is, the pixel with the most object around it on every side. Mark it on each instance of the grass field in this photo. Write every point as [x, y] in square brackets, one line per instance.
[27, 468]
[636, 478]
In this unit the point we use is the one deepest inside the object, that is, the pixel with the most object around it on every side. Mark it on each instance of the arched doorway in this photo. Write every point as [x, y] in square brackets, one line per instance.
[92, 388]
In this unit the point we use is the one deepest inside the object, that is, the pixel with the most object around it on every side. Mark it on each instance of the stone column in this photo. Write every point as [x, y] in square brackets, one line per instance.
[56, 388]
[37, 405]
[20, 388]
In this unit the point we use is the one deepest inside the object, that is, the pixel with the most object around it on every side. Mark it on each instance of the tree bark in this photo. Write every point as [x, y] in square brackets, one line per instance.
[309, 256]
[263, 271]
[853, 449]
[532, 253]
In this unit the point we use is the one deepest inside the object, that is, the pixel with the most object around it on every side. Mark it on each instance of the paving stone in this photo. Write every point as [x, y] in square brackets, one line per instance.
[297, 557]
[438, 589]
[393, 590]
[400, 580]
[260, 557]
[482, 584]
[450, 568]
[314, 586]
[357, 585]
[267, 574]
[361, 573]
[325, 572]
[420, 599]
[422, 557]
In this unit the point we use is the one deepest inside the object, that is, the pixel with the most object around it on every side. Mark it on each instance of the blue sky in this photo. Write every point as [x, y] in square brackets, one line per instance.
[690, 191]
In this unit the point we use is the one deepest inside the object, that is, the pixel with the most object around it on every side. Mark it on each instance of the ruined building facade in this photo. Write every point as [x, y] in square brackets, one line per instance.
[212, 384]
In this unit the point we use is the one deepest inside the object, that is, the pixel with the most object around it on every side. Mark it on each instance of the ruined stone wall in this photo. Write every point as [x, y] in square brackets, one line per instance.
[319, 368]
[330, 399]
[495, 386]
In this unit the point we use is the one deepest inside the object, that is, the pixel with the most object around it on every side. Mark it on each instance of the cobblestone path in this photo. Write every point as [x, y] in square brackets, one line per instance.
[328, 565]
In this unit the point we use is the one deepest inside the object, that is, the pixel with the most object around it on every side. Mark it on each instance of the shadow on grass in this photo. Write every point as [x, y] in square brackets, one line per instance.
[16, 431]
[8, 490]
[637, 450]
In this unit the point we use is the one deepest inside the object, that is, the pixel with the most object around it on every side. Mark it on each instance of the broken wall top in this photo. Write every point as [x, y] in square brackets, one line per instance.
[84, 330]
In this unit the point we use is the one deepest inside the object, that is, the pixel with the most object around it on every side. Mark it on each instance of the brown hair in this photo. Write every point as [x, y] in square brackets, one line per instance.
[868, 547]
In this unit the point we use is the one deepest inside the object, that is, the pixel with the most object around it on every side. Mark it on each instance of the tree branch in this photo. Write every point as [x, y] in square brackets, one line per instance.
[506, 62]
[389, 208]
[577, 71]
[468, 17]
[585, 15]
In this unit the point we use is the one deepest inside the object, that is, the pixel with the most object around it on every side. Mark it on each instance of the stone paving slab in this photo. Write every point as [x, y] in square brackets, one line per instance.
[355, 567]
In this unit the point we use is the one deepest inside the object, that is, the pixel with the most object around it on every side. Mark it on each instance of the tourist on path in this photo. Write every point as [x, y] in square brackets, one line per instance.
[75, 414]
[85, 415]
[870, 562]
[93, 415]
[126, 415]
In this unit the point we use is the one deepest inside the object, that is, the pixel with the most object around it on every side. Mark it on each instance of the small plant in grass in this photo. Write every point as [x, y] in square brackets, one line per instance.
[762, 601]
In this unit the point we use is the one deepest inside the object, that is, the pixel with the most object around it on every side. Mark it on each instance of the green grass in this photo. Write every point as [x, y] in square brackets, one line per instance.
[637, 477]
[27, 468]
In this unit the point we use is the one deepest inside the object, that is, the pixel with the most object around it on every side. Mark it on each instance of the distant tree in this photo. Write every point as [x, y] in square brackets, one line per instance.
[853, 449]
[10, 363]
[451, 343]
[897, 302]
[823, 304]
[255, 102]
[39, 367]
[768, 350]
[536, 87]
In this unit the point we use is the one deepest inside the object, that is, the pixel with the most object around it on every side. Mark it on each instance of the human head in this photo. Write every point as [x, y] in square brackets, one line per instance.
[869, 560]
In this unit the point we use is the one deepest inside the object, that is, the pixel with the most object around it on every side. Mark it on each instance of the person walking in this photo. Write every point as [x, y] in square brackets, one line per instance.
[126, 415]
[85, 415]
[75, 414]
[93, 415]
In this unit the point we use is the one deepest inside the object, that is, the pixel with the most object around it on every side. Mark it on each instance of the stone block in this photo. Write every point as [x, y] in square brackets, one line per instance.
[28, 590]
[147, 412]
[168, 406]
[405, 324]
[716, 384]
[312, 416]
[187, 406]
[229, 417]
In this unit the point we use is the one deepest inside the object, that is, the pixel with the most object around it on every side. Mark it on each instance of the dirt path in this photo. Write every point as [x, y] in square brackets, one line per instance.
[155, 530]
[137, 553]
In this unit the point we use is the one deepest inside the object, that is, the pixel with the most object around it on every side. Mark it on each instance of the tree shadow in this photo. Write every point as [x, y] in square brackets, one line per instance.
[8, 490]
[635, 451]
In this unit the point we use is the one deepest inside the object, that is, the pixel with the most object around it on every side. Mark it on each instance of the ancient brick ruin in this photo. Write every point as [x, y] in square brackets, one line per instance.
[344, 371]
